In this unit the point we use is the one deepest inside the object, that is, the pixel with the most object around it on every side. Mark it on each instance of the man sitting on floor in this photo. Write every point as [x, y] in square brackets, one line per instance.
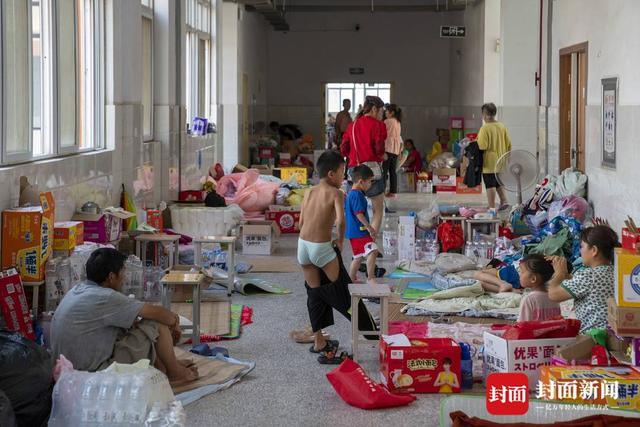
[96, 325]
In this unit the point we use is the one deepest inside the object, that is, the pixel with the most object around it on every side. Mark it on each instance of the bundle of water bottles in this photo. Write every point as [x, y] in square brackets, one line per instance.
[113, 399]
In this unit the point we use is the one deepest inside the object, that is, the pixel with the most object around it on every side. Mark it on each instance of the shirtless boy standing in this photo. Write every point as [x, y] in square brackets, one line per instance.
[323, 205]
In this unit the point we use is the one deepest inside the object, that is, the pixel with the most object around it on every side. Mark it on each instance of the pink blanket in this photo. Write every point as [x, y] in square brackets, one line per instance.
[247, 190]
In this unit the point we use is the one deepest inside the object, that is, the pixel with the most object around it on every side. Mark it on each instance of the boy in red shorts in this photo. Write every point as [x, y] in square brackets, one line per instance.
[360, 232]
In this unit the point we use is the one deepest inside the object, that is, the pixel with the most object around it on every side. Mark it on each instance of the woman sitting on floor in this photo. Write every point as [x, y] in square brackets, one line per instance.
[96, 325]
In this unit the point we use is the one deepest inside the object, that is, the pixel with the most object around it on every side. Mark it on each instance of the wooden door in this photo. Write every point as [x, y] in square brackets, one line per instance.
[565, 111]
[581, 110]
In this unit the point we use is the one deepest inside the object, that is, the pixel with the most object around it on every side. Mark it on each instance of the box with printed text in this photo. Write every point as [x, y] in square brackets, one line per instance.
[524, 356]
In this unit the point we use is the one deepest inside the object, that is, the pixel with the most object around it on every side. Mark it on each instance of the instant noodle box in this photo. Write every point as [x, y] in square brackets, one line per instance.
[68, 235]
[627, 276]
[27, 238]
[429, 365]
[103, 227]
[616, 387]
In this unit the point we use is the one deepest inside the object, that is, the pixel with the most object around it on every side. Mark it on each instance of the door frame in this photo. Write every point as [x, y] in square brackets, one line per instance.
[572, 105]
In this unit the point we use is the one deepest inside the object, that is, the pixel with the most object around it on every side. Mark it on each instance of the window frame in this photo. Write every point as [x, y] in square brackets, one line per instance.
[147, 13]
[198, 29]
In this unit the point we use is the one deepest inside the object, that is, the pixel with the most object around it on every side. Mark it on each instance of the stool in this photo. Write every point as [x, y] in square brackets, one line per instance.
[230, 242]
[180, 278]
[144, 239]
[358, 292]
[35, 286]
[469, 223]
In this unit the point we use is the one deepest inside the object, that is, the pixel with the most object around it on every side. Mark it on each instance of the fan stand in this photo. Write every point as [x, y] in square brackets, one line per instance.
[516, 170]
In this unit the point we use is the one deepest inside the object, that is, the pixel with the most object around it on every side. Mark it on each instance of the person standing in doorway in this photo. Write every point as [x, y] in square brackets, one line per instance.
[343, 119]
[392, 146]
[363, 143]
[494, 141]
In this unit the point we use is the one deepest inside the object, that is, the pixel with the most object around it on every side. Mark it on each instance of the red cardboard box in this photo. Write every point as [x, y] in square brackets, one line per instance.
[13, 304]
[441, 189]
[104, 227]
[287, 219]
[191, 196]
[629, 240]
[417, 368]
[154, 219]
[67, 235]
[461, 188]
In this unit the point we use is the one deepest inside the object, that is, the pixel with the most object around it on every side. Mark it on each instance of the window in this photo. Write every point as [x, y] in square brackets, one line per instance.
[147, 70]
[356, 92]
[51, 99]
[198, 44]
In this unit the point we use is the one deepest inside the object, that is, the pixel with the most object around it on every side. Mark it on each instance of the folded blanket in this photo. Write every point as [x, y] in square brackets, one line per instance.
[420, 267]
[503, 314]
[453, 263]
[480, 302]
[451, 280]
[472, 291]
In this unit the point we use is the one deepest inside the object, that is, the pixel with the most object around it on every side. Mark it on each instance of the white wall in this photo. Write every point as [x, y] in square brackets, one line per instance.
[392, 47]
[614, 39]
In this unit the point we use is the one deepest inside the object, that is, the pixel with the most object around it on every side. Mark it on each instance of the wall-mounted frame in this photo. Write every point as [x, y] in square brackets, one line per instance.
[609, 121]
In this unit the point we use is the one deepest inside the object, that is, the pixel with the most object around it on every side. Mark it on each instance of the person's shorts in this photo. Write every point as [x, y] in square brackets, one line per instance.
[490, 180]
[363, 246]
[377, 187]
[135, 344]
[318, 254]
[510, 275]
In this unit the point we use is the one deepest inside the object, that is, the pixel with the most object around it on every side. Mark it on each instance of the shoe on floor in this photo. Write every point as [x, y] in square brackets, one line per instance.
[504, 207]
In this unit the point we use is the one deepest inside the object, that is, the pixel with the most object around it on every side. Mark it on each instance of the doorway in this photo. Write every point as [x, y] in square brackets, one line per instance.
[573, 102]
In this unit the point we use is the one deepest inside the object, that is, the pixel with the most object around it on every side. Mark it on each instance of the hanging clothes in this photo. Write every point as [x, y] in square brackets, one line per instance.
[473, 176]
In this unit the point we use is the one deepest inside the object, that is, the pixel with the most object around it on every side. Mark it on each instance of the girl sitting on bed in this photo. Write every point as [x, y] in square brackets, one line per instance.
[535, 271]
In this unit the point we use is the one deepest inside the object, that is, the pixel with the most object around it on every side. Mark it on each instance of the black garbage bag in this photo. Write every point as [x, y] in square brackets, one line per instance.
[26, 377]
[7, 419]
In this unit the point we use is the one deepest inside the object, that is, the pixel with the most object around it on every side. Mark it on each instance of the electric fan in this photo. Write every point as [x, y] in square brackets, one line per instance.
[517, 171]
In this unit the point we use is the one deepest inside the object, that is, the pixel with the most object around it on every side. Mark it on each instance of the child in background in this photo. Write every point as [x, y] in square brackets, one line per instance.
[591, 286]
[502, 279]
[413, 161]
[322, 206]
[535, 271]
[360, 232]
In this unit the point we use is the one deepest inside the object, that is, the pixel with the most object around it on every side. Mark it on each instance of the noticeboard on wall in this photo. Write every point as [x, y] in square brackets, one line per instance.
[609, 121]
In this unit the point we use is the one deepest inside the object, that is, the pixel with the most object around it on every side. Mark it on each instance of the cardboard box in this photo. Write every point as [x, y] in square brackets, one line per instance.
[520, 355]
[27, 238]
[154, 219]
[67, 235]
[13, 304]
[444, 177]
[461, 188]
[629, 240]
[287, 218]
[441, 189]
[622, 390]
[266, 152]
[191, 196]
[625, 321]
[286, 173]
[104, 227]
[627, 275]
[407, 238]
[258, 237]
[579, 352]
[416, 368]
[284, 159]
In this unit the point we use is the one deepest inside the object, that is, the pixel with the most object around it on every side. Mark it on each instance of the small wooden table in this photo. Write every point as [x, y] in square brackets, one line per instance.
[358, 292]
[230, 242]
[144, 239]
[181, 278]
[470, 223]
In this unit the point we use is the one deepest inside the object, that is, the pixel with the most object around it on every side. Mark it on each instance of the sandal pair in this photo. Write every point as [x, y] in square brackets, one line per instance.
[330, 358]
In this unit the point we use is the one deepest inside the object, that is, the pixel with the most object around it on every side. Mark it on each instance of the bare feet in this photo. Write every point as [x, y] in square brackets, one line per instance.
[505, 287]
[187, 363]
[183, 375]
[372, 281]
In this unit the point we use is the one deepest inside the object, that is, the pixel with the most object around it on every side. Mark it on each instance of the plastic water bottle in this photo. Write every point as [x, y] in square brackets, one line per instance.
[120, 397]
[390, 237]
[434, 250]
[88, 405]
[466, 365]
[136, 406]
[105, 401]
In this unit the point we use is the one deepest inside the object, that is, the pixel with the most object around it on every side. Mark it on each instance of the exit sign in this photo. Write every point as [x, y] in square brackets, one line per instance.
[453, 31]
[356, 70]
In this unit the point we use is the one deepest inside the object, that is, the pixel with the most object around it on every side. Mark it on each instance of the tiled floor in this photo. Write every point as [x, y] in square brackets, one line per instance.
[288, 387]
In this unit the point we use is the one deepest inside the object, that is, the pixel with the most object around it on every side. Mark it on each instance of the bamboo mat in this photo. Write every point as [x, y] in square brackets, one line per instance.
[395, 314]
[215, 316]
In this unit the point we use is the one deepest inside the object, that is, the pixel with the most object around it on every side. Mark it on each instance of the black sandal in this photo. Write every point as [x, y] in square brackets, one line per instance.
[329, 358]
[330, 345]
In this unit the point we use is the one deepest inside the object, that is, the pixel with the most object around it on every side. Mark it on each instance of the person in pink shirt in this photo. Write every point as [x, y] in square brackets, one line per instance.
[535, 271]
[392, 146]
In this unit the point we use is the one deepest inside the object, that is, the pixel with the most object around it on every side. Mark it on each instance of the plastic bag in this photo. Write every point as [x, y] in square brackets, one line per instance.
[571, 182]
[563, 328]
[428, 217]
[357, 389]
[120, 392]
[450, 235]
[570, 207]
[26, 378]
